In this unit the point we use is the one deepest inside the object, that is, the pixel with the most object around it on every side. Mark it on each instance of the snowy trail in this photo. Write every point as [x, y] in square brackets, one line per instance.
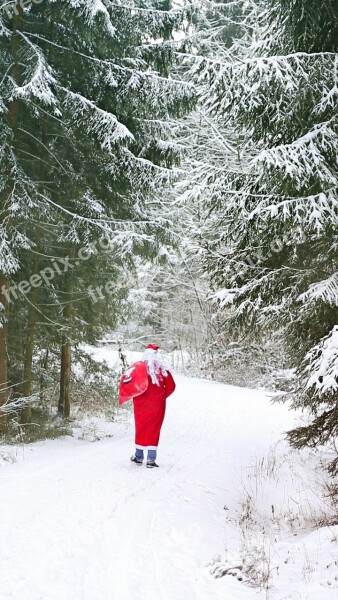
[79, 521]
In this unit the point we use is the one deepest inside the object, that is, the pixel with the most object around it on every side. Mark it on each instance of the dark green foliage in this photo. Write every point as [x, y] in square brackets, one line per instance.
[85, 104]
[271, 248]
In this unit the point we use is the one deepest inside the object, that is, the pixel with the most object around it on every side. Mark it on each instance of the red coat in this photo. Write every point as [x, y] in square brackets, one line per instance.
[149, 410]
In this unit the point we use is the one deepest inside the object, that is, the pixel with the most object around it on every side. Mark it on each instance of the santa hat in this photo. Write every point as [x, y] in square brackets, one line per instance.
[152, 347]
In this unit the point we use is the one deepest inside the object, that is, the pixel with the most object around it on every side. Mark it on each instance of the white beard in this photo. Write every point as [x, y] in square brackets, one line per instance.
[155, 365]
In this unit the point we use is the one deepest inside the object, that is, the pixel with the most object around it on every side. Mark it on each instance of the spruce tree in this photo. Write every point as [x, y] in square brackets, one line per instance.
[85, 101]
[273, 254]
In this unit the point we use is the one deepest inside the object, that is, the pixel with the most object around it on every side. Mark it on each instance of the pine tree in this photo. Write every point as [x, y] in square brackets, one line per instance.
[273, 257]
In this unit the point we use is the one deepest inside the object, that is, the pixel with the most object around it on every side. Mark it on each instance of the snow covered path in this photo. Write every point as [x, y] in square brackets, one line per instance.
[79, 521]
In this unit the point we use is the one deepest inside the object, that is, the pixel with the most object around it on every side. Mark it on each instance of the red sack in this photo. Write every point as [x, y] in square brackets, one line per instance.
[133, 382]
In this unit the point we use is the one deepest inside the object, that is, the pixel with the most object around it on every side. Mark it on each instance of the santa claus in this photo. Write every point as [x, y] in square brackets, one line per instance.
[149, 405]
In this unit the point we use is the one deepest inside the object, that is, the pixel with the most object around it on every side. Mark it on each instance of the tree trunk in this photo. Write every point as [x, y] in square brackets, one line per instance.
[13, 116]
[25, 416]
[64, 401]
[65, 372]
[15, 71]
[44, 367]
[3, 354]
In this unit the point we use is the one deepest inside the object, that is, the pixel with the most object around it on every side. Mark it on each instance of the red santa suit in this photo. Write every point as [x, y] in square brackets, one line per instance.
[149, 409]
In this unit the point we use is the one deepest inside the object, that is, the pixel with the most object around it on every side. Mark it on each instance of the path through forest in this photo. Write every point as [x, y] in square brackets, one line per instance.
[79, 521]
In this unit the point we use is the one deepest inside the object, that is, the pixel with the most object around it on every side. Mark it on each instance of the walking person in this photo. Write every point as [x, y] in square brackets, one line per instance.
[149, 406]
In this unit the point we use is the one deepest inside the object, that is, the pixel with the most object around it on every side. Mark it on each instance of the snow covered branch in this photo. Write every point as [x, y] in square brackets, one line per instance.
[41, 80]
[103, 124]
[322, 364]
[325, 290]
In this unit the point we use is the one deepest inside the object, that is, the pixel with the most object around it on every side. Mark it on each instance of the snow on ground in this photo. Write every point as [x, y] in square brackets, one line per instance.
[79, 521]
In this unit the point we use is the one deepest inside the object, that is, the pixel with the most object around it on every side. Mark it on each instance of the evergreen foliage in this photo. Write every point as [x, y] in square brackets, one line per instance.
[85, 106]
[268, 184]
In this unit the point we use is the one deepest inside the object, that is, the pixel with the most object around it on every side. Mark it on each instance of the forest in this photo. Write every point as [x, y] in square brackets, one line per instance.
[168, 172]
